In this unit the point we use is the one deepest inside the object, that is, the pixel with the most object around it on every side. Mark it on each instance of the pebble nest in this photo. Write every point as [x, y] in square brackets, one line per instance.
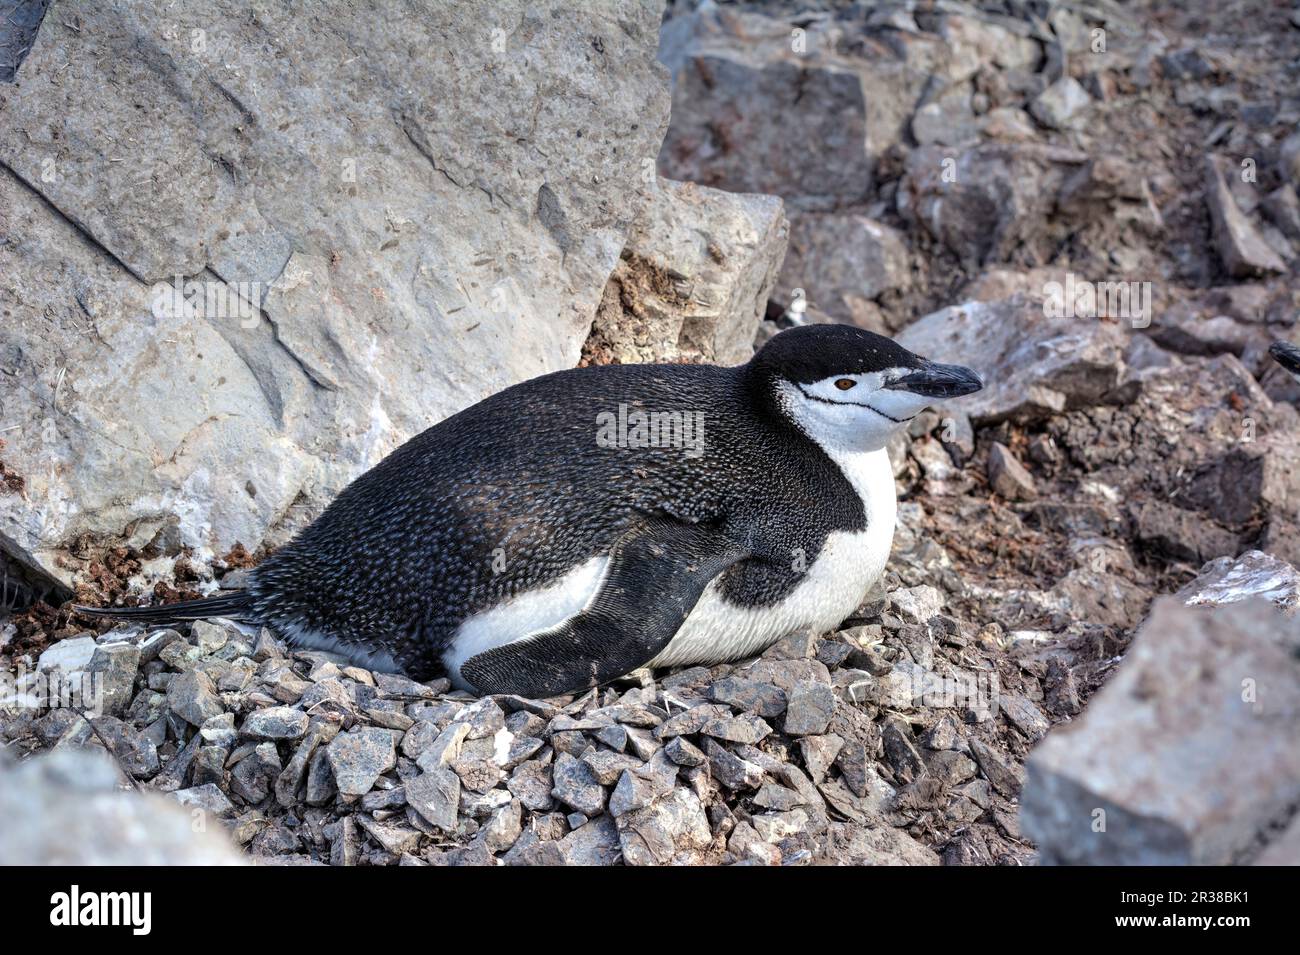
[895, 741]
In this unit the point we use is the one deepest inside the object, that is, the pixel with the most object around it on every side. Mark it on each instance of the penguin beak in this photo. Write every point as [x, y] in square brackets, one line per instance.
[935, 380]
[1286, 355]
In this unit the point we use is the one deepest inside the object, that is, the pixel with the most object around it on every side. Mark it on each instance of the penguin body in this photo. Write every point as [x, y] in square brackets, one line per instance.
[580, 525]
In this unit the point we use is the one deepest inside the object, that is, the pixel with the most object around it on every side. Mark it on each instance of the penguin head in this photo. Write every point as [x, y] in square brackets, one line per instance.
[1288, 356]
[849, 389]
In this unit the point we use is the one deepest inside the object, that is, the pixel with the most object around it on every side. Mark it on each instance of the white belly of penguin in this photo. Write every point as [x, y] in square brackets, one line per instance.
[717, 629]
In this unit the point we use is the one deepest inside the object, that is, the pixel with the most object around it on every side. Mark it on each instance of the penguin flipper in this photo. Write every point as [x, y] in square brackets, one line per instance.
[657, 572]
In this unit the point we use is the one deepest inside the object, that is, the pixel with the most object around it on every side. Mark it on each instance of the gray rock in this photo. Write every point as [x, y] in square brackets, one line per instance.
[693, 280]
[730, 770]
[531, 784]
[608, 766]
[65, 808]
[1032, 365]
[990, 202]
[70, 655]
[359, 758]
[1059, 106]
[1185, 755]
[135, 752]
[1008, 477]
[593, 843]
[207, 798]
[682, 752]
[112, 672]
[810, 708]
[575, 785]
[369, 247]
[275, 723]
[1241, 248]
[435, 795]
[843, 263]
[504, 827]
[670, 831]
[746, 104]
[819, 753]
[1227, 580]
[193, 697]
[745, 728]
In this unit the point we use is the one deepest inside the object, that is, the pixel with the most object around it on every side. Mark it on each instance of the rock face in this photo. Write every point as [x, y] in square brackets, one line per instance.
[762, 106]
[367, 239]
[1187, 756]
[693, 280]
[65, 808]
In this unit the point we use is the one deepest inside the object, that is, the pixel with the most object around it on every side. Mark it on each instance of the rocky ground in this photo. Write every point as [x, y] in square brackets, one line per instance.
[939, 167]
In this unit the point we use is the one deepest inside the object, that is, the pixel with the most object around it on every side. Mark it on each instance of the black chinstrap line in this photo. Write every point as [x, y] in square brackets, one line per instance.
[856, 404]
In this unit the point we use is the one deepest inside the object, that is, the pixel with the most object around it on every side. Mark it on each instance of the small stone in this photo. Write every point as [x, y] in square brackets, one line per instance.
[575, 785]
[1008, 477]
[136, 753]
[593, 843]
[193, 697]
[917, 604]
[276, 722]
[113, 668]
[394, 686]
[1060, 103]
[359, 758]
[746, 728]
[819, 753]
[484, 718]
[504, 827]
[70, 655]
[615, 737]
[435, 795]
[531, 784]
[445, 749]
[1024, 716]
[772, 796]
[207, 798]
[901, 752]
[608, 766]
[684, 753]
[730, 770]
[809, 710]
[1005, 776]
[763, 699]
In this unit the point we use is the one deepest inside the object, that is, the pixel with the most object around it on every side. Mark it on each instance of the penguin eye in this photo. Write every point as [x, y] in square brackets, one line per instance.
[844, 384]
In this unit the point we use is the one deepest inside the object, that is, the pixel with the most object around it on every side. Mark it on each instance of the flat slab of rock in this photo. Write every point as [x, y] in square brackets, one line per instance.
[1032, 365]
[1187, 756]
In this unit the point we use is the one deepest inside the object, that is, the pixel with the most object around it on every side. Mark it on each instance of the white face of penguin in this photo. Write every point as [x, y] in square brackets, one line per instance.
[856, 412]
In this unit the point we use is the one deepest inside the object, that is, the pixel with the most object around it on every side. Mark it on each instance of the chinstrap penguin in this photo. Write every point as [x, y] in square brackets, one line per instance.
[1288, 356]
[518, 550]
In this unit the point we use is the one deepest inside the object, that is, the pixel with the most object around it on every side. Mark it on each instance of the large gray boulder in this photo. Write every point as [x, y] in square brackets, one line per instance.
[1188, 755]
[376, 217]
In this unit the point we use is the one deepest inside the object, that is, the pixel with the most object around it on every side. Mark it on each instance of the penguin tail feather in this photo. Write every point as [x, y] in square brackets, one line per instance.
[235, 605]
